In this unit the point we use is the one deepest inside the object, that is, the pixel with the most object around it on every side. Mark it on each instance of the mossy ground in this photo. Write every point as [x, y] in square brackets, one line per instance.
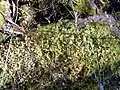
[58, 49]
[59, 56]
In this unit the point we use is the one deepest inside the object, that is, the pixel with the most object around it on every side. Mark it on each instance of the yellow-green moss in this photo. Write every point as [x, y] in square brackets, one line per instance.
[101, 48]
[92, 46]
[92, 49]
[57, 48]
[2, 20]
[3, 6]
[1, 37]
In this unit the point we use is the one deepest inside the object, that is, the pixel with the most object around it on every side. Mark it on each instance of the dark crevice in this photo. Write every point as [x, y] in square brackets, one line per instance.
[114, 6]
[60, 12]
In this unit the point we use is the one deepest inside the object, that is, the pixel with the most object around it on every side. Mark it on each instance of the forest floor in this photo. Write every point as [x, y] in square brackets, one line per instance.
[59, 45]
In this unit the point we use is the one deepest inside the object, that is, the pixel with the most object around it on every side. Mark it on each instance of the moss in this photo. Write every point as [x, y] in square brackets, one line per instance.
[118, 21]
[59, 46]
[101, 48]
[59, 53]
[56, 53]
[2, 14]
[2, 20]
[1, 37]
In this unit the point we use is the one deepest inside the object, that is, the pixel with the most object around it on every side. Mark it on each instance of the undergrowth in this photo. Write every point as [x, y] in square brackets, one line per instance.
[60, 56]
[56, 56]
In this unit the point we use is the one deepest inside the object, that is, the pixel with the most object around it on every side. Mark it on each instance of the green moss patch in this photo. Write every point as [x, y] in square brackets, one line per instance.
[58, 52]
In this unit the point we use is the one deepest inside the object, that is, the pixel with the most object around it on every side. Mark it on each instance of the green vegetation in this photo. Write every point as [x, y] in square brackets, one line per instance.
[2, 10]
[56, 49]
[58, 55]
